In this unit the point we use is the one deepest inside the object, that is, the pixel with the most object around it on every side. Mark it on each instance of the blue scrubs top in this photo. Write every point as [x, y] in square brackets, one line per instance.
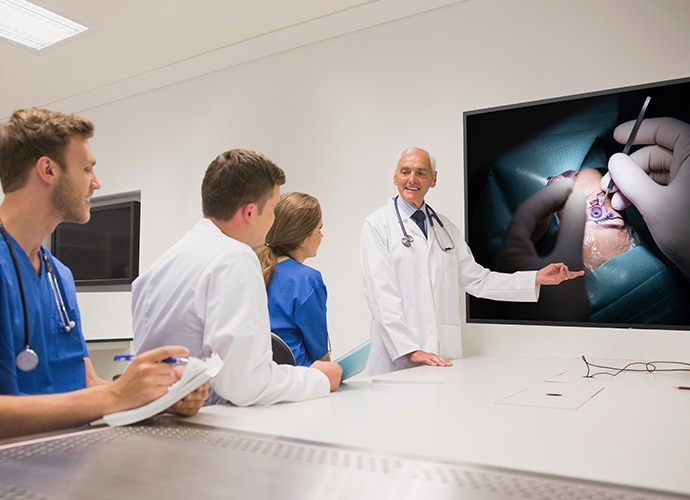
[60, 354]
[297, 307]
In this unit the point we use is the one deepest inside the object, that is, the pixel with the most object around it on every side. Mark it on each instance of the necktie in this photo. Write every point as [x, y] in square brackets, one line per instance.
[420, 219]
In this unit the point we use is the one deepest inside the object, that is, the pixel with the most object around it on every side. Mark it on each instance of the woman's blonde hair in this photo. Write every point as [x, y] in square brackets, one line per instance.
[297, 215]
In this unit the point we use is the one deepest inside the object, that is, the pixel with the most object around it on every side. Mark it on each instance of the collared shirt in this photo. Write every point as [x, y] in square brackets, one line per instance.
[406, 210]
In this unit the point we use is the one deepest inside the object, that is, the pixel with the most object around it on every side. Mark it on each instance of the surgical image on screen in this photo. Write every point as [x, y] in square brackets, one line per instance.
[606, 232]
[632, 240]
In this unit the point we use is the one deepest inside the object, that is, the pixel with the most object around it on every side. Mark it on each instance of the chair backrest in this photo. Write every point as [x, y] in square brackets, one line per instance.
[282, 354]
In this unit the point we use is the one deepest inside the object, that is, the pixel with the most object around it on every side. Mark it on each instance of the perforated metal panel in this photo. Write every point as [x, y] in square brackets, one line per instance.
[176, 461]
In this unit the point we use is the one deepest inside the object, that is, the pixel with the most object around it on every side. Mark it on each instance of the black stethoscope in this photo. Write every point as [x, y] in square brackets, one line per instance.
[27, 359]
[407, 239]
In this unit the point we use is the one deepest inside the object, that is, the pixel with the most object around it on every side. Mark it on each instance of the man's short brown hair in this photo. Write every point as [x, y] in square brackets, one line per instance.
[32, 133]
[236, 178]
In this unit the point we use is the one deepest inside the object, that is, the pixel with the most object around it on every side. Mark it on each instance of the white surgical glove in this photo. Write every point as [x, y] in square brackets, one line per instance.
[656, 180]
[567, 301]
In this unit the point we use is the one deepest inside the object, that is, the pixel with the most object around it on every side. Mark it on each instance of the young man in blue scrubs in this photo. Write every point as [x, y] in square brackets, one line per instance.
[47, 381]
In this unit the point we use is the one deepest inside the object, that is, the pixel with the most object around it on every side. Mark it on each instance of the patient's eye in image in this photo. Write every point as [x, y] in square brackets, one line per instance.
[606, 232]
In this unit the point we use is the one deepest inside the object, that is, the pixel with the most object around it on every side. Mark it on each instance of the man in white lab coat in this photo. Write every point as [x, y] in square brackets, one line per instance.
[414, 271]
[206, 292]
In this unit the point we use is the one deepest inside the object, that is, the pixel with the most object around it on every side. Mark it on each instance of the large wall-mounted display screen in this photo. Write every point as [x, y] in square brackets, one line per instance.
[534, 194]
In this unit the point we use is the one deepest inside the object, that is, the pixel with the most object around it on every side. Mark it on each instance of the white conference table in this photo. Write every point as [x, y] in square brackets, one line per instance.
[488, 428]
[538, 415]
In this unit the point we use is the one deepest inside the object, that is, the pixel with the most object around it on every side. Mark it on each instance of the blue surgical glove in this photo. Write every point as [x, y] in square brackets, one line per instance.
[656, 180]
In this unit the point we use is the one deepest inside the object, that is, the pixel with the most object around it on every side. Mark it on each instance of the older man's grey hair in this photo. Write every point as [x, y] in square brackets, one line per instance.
[432, 160]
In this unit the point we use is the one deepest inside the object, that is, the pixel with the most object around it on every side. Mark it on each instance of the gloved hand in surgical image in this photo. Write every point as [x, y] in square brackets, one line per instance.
[656, 180]
[569, 300]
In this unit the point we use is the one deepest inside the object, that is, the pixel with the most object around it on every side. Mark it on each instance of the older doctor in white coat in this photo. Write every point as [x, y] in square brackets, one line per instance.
[412, 281]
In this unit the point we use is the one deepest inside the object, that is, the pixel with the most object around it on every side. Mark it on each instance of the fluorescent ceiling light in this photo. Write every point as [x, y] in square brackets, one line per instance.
[34, 26]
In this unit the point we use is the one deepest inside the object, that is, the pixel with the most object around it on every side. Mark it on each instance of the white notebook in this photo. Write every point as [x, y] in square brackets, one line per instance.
[196, 373]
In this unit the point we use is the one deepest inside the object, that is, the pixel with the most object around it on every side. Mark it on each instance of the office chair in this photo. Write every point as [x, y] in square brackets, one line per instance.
[281, 351]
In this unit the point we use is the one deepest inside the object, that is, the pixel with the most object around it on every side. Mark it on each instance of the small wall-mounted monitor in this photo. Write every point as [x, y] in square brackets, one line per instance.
[105, 250]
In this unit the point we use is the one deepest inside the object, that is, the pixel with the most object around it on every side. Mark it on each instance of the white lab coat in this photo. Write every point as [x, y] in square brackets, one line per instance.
[414, 293]
[207, 293]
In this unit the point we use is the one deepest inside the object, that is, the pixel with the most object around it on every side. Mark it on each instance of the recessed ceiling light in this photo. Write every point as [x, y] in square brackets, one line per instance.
[34, 26]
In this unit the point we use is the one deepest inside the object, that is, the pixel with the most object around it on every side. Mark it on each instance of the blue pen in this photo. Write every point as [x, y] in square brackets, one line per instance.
[130, 357]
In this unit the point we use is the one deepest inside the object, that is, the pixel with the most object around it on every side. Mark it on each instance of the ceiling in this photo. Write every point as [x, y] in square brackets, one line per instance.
[136, 45]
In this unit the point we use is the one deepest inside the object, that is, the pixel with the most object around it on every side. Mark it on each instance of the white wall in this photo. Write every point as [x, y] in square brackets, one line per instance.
[335, 114]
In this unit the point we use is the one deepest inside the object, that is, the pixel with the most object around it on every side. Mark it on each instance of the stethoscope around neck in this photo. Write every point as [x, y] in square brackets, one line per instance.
[407, 238]
[27, 359]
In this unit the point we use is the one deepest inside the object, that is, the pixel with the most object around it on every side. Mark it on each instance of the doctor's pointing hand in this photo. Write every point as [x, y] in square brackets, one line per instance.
[415, 263]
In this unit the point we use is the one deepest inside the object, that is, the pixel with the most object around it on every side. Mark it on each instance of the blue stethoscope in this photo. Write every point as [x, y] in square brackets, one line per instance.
[407, 239]
[27, 359]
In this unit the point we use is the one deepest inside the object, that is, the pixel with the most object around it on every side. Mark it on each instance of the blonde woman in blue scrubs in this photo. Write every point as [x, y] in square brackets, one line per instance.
[296, 292]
